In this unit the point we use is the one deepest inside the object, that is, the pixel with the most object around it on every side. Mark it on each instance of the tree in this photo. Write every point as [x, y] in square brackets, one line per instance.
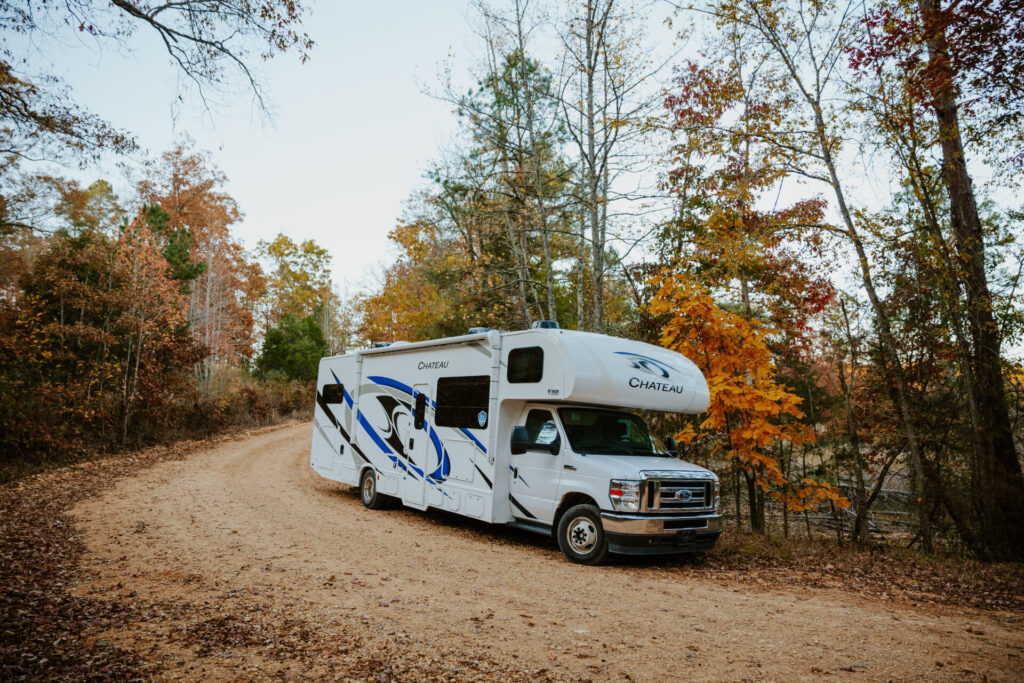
[98, 334]
[299, 282]
[721, 234]
[454, 271]
[722, 171]
[221, 301]
[963, 59]
[40, 121]
[514, 158]
[603, 104]
[749, 410]
[208, 43]
[177, 247]
[292, 348]
[805, 45]
[205, 41]
[152, 319]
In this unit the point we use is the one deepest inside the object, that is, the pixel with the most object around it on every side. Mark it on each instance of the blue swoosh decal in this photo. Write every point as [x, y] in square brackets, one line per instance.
[394, 383]
[344, 394]
[444, 464]
[373, 434]
[640, 355]
[384, 447]
[475, 440]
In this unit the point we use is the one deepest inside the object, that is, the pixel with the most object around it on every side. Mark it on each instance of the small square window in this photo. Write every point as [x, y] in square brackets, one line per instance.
[525, 365]
[334, 393]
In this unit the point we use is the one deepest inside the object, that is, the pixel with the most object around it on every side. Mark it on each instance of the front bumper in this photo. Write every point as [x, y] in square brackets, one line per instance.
[660, 535]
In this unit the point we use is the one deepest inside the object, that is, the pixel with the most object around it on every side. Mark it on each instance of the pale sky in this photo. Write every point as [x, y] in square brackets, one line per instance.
[352, 131]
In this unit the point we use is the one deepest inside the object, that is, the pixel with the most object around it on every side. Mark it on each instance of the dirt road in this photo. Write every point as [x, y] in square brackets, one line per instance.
[241, 552]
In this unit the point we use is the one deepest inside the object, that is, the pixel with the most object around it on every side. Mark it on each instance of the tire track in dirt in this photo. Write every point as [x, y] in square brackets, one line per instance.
[249, 520]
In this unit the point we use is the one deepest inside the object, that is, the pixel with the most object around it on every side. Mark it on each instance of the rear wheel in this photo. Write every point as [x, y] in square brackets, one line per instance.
[368, 490]
[581, 535]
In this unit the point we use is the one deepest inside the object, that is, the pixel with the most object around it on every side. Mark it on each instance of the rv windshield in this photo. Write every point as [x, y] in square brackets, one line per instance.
[593, 430]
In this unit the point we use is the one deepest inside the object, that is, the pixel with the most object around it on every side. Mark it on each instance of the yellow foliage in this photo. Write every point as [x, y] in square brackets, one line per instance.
[749, 410]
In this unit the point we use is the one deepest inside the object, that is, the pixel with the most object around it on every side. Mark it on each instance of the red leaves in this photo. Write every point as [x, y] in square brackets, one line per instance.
[974, 47]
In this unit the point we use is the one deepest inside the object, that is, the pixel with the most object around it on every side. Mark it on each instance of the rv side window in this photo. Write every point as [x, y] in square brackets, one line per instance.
[420, 411]
[462, 401]
[525, 365]
[334, 393]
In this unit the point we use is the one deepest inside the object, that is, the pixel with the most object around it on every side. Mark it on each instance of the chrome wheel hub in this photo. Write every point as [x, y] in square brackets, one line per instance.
[581, 535]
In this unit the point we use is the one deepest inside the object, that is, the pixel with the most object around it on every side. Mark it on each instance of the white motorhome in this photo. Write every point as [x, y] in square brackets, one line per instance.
[529, 428]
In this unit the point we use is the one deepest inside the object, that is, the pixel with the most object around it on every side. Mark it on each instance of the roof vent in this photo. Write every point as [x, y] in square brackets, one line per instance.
[479, 330]
[381, 345]
[545, 325]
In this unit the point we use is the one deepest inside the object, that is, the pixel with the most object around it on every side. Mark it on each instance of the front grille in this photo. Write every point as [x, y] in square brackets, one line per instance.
[678, 495]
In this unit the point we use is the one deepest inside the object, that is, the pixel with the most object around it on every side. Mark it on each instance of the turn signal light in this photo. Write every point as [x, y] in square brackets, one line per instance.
[624, 494]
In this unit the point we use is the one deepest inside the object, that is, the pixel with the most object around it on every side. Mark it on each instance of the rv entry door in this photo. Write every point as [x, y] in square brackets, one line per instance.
[415, 493]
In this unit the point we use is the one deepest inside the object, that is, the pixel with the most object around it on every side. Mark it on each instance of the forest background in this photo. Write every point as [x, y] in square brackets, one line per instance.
[863, 354]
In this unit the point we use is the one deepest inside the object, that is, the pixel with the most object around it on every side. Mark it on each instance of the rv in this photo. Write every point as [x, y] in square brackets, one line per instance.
[531, 428]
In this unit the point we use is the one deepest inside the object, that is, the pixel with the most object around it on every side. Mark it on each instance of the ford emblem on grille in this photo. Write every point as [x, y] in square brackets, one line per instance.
[683, 495]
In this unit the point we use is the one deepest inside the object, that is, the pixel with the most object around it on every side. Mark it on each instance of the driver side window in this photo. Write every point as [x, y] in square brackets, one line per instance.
[540, 426]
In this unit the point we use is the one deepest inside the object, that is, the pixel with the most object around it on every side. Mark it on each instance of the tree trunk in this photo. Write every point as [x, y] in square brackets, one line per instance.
[524, 305]
[581, 263]
[892, 365]
[755, 502]
[1002, 485]
[531, 129]
[593, 176]
[736, 499]
[803, 461]
[861, 532]
[786, 461]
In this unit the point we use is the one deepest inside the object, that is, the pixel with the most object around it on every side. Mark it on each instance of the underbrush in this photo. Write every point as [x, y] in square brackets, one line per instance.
[882, 570]
[41, 436]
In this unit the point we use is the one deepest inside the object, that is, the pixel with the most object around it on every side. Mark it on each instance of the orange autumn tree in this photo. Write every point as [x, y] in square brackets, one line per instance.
[221, 300]
[750, 411]
[151, 323]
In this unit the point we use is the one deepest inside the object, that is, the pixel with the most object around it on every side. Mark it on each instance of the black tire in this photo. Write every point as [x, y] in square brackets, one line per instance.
[368, 490]
[581, 535]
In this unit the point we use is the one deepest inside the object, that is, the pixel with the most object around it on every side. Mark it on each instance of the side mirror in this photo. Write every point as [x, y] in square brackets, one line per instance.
[520, 440]
[670, 444]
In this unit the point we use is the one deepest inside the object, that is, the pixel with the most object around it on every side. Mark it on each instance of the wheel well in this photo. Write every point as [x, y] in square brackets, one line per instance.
[568, 501]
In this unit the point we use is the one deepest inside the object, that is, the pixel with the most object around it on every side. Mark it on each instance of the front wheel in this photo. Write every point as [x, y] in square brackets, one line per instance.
[368, 490]
[581, 535]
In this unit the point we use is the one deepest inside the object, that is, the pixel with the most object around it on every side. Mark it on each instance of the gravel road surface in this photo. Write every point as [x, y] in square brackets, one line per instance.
[246, 564]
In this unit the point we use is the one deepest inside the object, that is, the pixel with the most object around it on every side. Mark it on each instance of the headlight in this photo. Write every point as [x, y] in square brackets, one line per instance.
[718, 490]
[625, 494]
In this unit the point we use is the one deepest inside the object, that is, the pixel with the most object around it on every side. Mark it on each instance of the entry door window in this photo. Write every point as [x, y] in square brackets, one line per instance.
[540, 427]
